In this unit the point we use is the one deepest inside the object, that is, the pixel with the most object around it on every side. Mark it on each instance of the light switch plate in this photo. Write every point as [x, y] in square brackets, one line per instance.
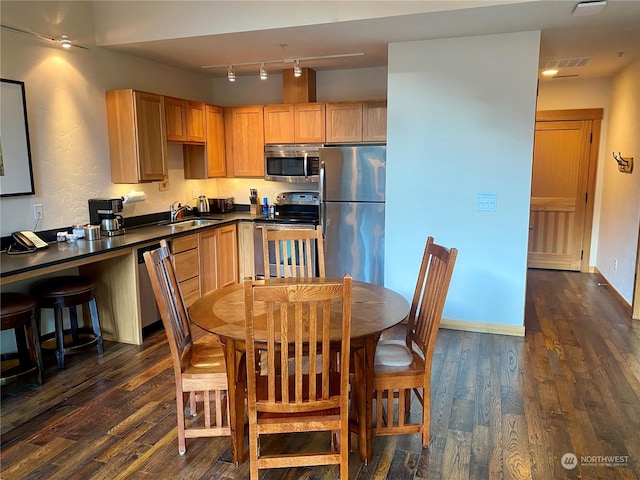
[486, 202]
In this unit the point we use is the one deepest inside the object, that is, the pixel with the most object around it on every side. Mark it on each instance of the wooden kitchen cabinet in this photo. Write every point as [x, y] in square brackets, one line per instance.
[278, 124]
[185, 120]
[137, 136]
[299, 123]
[208, 161]
[184, 252]
[244, 141]
[309, 122]
[218, 249]
[344, 122]
[374, 121]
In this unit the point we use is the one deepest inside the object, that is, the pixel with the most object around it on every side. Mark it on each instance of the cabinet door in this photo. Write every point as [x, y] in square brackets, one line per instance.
[176, 118]
[216, 166]
[137, 136]
[244, 135]
[152, 140]
[227, 256]
[278, 124]
[207, 245]
[344, 122]
[309, 122]
[374, 121]
[196, 130]
[186, 265]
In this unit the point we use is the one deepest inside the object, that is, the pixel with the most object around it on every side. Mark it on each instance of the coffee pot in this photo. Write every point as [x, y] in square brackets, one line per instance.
[111, 223]
[203, 204]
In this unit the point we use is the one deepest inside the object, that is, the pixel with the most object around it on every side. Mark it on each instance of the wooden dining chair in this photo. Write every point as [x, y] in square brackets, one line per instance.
[405, 366]
[293, 252]
[199, 368]
[304, 395]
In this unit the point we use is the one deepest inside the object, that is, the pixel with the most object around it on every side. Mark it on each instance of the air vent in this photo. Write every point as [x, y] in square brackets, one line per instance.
[565, 62]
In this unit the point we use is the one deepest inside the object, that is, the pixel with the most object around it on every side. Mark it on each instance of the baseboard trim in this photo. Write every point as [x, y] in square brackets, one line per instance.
[607, 284]
[480, 327]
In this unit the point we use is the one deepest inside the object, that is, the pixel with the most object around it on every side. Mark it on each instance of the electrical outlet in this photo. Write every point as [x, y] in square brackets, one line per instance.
[194, 193]
[38, 213]
[615, 264]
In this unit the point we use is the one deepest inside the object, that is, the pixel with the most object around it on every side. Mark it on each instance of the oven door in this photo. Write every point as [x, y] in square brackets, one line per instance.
[258, 248]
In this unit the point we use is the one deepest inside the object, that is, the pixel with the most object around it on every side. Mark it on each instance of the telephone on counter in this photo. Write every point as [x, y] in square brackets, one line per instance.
[26, 241]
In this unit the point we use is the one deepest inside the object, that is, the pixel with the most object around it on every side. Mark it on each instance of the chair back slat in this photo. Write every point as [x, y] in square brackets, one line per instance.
[430, 295]
[170, 303]
[298, 320]
[293, 252]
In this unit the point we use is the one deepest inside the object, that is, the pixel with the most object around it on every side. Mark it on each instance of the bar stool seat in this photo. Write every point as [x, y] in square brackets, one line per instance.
[69, 292]
[18, 312]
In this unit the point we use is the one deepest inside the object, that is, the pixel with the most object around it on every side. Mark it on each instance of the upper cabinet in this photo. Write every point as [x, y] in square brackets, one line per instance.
[344, 122]
[207, 161]
[374, 121]
[309, 121]
[244, 141]
[299, 123]
[349, 122]
[137, 136]
[185, 120]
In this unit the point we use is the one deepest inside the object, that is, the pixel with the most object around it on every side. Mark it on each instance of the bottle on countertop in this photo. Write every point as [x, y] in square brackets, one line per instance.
[265, 206]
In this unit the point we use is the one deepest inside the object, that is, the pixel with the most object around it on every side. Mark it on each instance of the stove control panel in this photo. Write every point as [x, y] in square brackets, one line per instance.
[298, 198]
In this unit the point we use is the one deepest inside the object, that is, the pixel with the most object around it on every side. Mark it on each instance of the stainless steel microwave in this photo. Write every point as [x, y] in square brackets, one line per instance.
[292, 163]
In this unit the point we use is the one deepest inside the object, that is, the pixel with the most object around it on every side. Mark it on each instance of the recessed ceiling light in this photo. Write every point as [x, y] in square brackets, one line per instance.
[549, 73]
[589, 8]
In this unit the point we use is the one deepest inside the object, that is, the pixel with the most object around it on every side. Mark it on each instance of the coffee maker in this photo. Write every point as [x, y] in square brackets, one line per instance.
[104, 212]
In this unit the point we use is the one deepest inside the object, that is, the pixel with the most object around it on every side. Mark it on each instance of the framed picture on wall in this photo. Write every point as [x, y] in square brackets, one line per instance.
[16, 175]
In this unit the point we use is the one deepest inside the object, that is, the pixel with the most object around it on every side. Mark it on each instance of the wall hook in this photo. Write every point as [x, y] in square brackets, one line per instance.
[625, 165]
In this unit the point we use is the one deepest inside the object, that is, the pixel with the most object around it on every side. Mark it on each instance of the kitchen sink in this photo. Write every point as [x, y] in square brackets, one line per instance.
[199, 222]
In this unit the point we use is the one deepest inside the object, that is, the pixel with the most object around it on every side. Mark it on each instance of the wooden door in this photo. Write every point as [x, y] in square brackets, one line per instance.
[374, 121]
[207, 246]
[344, 122]
[176, 119]
[196, 130]
[565, 151]
[227, 256]
[152, 137]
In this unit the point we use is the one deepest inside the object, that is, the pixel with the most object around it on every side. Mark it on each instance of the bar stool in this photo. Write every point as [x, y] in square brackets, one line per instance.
[63, 292]
[18, 311]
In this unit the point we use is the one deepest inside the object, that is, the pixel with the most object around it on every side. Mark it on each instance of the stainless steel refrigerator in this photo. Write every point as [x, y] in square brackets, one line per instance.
[352, 196]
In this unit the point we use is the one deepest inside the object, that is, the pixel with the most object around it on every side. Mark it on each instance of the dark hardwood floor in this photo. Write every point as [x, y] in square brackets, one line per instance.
[502, 407]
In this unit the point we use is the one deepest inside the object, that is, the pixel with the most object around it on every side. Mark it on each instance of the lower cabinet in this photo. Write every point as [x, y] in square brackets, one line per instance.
[185, 262]
[218, 248]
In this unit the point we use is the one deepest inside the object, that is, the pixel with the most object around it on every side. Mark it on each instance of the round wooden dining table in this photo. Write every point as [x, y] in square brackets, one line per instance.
[373, 310]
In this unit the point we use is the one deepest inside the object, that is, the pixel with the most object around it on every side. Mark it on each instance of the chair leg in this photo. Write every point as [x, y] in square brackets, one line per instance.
[95, 323]
[182, 442]
[34, 347]
[59, 337]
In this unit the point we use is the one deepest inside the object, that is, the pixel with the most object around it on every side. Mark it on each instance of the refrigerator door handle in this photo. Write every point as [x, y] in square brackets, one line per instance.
[321, 195]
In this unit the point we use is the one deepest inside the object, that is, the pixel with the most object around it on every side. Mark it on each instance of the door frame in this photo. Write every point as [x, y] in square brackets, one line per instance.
[595, 116]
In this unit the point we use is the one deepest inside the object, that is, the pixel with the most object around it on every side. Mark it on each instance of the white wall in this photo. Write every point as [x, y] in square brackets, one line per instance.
[620, 210]
[576, 93]
[460, 121]
[65, 92]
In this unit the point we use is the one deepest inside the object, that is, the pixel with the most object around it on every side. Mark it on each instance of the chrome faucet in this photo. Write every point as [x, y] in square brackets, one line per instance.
[177, 210]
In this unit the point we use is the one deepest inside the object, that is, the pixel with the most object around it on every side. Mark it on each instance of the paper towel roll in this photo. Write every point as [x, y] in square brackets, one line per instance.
[133, 197]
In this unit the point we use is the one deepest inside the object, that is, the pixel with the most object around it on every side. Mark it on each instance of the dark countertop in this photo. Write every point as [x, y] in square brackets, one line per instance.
[63, 252]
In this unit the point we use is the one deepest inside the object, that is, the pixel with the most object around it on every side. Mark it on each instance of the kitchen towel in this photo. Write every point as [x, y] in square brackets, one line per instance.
[133, 197]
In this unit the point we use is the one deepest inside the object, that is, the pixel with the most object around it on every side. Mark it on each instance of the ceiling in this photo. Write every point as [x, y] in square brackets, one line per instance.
[609, 41]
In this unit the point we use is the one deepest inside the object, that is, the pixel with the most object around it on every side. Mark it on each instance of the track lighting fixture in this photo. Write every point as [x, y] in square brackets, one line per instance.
[63, 40]
[283, 63]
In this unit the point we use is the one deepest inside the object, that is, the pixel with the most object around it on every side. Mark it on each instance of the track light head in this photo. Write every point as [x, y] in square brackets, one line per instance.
[64, 42]
[297, 71]
[263, 72]
[231, 75]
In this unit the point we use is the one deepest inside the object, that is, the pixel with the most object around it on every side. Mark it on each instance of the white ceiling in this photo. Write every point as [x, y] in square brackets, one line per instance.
[611, 38]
